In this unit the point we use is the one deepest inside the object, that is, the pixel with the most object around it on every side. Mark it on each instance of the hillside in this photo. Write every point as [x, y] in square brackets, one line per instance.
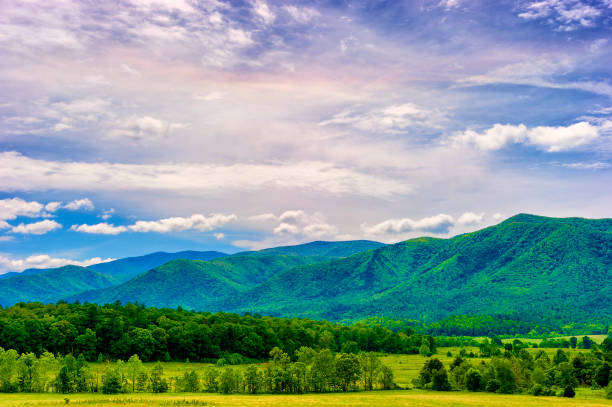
[51, 285]
[200, 285]
[124, 269]
[525, 264]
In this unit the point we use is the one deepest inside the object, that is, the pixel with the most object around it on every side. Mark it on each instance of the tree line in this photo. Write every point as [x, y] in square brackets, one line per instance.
[118, 331]
[517, 370]
[311, 371]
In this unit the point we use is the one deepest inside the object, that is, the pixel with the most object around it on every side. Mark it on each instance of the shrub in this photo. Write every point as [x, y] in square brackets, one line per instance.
[569, 392]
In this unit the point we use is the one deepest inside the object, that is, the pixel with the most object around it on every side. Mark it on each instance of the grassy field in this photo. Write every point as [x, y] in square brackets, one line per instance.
[405, 367]
[596, 338]
[379, 399]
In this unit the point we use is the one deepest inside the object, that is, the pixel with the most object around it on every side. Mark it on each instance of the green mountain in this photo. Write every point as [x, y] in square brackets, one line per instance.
[201, 285]
[528, 264]
[125, 269]
[51, 285]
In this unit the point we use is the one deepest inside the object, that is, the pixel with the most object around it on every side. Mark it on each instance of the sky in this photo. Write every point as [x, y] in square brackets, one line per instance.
[134, 126]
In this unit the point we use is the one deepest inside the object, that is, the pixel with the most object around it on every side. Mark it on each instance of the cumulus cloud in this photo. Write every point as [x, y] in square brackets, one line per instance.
[301, 15]
[391, 119]
[567, 15]
[264, 12]
[44, 261]
[438, 224]
[13, 207]
[99, 229]
[84, 203]
[4, 224]
[145, 127]
[470, 218]
[178, 224]
[53, 206]
[36, 228]
[298, 222]
[167, 225]
[18, 172]
[551, 139]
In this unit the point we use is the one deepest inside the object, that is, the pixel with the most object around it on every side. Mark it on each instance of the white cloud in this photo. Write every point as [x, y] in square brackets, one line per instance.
[286, 229]
[178, 224]
[391, 119]
[568, 15]
[18, 172]
[13, 207]
[36, 228]
[298, 222]
[219, 236]
[145, 127]
[262, 10]
[99, 229]
[548, 72]
[4, 224]
[587, 166]
[107, 214]
[551, 139]
[563, 138]
[320, 230]
[130, 70]
[438, 224]
[470, 218]
[498, 216]
[209, 97]
[53, 206]
[167, 225]
[302, 15]
[44, 261]
[449, 4]
[84, 203]
[494, 138]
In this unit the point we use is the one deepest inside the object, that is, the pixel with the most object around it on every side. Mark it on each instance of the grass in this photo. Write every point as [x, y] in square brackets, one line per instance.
[378, 398]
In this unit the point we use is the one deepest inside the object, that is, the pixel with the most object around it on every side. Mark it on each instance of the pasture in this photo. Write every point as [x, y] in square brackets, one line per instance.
[378, 398]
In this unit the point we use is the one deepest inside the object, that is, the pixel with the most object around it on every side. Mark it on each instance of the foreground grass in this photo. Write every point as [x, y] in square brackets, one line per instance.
[379, 399]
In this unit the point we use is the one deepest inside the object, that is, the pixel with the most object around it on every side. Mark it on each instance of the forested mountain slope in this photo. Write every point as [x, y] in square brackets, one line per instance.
[559, 267]
[51, 285]
[200, 285]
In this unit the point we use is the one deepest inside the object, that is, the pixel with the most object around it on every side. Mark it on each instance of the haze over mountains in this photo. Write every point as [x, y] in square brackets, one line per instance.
[526, 264]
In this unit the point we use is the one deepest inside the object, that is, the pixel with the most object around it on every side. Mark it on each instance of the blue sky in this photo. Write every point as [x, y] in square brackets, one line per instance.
[128, 127]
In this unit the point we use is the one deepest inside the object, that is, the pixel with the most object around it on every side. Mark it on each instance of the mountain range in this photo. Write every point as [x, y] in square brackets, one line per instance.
[561, 267]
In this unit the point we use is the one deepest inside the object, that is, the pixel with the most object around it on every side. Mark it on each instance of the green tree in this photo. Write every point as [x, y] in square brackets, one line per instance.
[573, 342]
[190, 382]
[439, 380]
[473, 380]
[251, 379]
[228, 380]
[386, 377]
[606, 345]
[370, 364]
[158, 382]
[133, 367]
[142, 381]
[348, 370]
[28, 374]
[603, 374]
[111, 380]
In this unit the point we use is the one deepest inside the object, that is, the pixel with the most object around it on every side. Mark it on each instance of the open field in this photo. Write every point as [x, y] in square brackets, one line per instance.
[379, 398]
[405, 367]
[596, 338]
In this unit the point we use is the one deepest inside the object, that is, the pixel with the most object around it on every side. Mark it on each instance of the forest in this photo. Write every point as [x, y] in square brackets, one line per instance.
[119, 331]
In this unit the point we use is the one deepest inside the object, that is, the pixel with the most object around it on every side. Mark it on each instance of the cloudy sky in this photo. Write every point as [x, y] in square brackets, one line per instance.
[128, 127]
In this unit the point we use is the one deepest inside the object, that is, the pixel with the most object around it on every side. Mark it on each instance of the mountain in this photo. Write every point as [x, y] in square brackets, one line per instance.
[51, 285]
[125, 269]
[527, 263]
[200, 285]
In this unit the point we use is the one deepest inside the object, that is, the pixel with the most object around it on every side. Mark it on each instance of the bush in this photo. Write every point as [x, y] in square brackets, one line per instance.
[609, 392]
[473, 380]
[493, 385]
[569, 392]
